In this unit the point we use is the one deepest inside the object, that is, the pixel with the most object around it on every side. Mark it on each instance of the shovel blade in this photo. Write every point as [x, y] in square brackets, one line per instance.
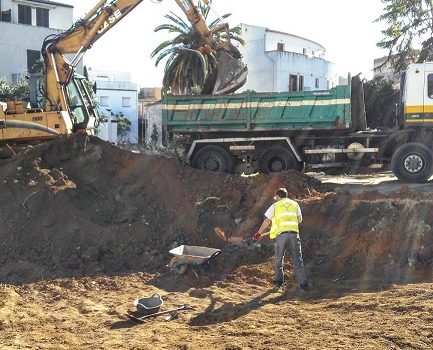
[239, 241]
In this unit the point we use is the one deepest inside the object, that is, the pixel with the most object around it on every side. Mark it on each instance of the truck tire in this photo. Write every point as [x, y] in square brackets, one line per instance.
[213, 158]
[412, 162]
[277, 158]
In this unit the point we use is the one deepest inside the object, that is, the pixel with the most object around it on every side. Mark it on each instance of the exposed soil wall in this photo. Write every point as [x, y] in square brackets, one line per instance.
[79, 206]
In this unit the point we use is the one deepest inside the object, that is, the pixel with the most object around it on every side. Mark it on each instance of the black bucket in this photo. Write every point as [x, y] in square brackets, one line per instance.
[149, 305]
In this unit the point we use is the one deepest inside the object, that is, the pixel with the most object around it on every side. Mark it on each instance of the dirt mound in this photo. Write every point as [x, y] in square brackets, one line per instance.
[80, 206]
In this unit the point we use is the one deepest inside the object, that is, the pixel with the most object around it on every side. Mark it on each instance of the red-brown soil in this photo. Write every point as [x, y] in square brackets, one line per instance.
[86, 228]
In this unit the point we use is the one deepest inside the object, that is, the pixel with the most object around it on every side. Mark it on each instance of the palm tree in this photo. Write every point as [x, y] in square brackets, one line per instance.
[189, 62]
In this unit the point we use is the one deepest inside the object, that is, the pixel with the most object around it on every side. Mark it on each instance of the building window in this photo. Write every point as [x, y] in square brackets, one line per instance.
[301, 83]
[126, 101]
[32, 57]
[316, 85]
[103, 100]
[304, 51]
[280, 46]
[24, 14]
[5, 15]
[42, 17]
[293, 82]
[16, 78]
[430, 85]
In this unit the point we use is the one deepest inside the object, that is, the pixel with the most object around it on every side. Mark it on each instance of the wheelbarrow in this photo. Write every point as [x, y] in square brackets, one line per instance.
[188, 255]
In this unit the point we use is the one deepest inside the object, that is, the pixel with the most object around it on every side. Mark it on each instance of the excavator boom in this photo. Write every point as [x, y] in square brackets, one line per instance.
[67, 103]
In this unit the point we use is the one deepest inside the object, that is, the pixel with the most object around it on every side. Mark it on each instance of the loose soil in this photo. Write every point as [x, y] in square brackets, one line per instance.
[87, 227]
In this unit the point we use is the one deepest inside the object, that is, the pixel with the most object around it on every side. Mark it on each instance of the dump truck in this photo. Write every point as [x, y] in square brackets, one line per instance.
[270, 132]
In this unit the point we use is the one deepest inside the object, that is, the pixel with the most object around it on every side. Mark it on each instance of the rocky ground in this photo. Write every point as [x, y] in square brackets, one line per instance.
[86, 228]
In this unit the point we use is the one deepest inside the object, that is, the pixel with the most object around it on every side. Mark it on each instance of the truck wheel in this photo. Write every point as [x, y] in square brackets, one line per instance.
[412, 162]
[213, 158]
[277, 158]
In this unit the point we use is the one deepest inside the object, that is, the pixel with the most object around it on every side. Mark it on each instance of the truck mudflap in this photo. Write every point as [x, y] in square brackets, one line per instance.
[391, 143]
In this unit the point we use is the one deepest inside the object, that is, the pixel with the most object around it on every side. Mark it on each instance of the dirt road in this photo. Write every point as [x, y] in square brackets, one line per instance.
[86, 229]
[383, 182]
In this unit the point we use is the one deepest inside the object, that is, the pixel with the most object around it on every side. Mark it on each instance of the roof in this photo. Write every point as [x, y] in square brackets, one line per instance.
[55, 3]
[284, 33]
[294, 35]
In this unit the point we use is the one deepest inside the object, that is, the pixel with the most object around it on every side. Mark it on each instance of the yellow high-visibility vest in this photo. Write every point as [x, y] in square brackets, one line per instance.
[285, 217]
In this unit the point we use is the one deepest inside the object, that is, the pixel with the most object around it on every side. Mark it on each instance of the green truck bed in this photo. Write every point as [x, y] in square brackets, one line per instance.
[250, 111]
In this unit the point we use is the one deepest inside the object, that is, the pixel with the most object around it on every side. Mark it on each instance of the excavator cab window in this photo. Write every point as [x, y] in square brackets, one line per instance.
[81, 104]
[76, 103]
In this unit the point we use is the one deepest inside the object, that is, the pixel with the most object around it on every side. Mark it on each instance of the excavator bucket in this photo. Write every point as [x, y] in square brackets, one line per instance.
[231, 73]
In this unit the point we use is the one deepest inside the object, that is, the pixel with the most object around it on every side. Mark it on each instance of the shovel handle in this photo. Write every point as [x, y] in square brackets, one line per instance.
[142, 318]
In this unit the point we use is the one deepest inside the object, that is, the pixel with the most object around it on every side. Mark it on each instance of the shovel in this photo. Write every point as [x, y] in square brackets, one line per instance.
[240, 242]
[236, 240]
[143, 318]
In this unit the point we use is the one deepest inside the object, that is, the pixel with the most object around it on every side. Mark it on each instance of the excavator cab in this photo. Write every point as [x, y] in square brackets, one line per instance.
[82, 106]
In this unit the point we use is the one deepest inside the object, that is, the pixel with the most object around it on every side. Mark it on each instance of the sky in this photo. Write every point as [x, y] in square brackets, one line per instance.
[346, 29]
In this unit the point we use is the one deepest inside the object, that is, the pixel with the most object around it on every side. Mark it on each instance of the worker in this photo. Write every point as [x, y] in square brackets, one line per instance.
[285, 216]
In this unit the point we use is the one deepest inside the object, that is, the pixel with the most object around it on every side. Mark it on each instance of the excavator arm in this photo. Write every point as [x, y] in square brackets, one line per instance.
[77, 40]
[60, 88]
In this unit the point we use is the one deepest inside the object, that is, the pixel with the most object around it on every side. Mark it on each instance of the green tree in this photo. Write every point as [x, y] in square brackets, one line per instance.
[18, 91]
[381, 98]
[409, 23]
[123, 125]
[154, 137]
[185, 69]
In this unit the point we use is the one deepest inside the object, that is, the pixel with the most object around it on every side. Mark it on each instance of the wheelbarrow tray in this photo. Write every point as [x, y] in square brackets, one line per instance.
[189, 254]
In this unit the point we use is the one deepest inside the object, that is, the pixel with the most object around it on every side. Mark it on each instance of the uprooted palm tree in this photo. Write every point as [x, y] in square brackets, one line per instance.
[189, 62]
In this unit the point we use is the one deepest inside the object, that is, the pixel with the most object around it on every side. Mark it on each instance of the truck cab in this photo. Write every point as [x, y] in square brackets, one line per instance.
[418, 95]
[412, 146]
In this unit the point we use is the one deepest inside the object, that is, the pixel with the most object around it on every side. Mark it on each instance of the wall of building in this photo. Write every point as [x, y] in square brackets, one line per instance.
[16, 38]
[108, 130]
[116, 96]
[384, 70]
[294, 44]
[153, 115]
[269, 68]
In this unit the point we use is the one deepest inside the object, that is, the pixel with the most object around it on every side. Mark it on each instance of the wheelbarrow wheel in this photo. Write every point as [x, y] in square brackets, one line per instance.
[179, 268]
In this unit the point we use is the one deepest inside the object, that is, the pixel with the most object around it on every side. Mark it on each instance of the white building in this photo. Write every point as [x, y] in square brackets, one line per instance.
[117, 94]
[24, 25]
[147, 98]
[153, 115]
[280, 61]
[385, 70]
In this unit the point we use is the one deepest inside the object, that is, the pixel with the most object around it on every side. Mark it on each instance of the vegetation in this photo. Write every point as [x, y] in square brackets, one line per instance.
[123, 125]
[408, 21]
[11, 92]
[154, 137]
[381, 98]
[188, 61]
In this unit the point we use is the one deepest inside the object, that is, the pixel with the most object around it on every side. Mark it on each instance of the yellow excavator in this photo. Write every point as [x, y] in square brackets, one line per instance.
[65, 104]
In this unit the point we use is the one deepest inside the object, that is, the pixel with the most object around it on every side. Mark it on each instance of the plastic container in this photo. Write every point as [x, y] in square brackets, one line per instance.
[149, 305]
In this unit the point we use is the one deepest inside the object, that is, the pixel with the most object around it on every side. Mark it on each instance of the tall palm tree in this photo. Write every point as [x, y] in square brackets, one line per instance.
[186, 69]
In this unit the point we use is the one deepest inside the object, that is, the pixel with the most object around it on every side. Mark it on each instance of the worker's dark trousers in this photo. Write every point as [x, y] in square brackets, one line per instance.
[291, 241]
